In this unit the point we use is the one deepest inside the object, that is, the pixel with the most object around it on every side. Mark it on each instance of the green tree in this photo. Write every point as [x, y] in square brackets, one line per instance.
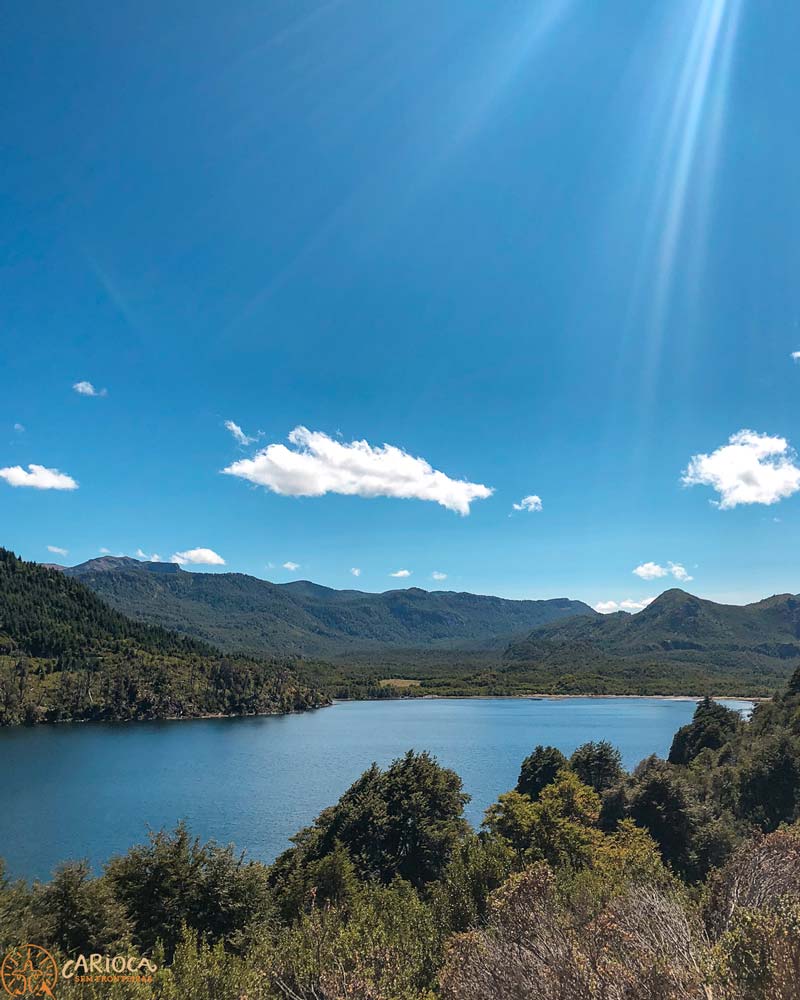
[769, 781]
[598, 765]
[712, 726]
[539, 769]
[402, 822]
[175, 881]
[79, 913]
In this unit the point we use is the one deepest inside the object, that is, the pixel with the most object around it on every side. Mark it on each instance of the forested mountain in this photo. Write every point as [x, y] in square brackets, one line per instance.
[677, 630]
[64, 654]
[244, 614]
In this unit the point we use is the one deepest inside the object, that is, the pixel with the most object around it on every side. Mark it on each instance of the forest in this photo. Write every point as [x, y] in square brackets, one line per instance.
[67, 656]
[677, 881]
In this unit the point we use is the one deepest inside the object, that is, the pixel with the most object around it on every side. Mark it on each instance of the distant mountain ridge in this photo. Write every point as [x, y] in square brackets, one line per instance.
[66, 655]
[242, 613]
[676, 628]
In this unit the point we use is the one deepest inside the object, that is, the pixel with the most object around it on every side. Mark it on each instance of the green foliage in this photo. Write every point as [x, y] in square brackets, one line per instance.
[539, 769]
[598, 765]
[458, 644]
[79, 914]
[712, 726]
[558, 828]
[479, 866]
[64, 655]
[679, 643]
[402, 822]
[241, 613]
[659, 890]
[174, 881]
[769, 781]
[384, 943]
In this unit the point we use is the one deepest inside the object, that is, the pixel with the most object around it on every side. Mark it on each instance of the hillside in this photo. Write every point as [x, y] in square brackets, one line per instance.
[677, 631]
[65, 655]
[241, 613]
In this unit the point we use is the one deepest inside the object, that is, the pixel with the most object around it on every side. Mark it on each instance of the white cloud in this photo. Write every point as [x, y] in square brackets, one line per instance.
[795, 355]
[751, 468]
[105, 552]
[238, 433]
[531, 503]
[436, 575]
[198, 557]
[39, 478]
[654, 571]
[608, 607]
[19, 428]
[291, 566]
[318, 464]
[679, 572]
[155, 557]
[57, 550]
[402, 573]
[355, 571]
[650, 571]
[87, 389]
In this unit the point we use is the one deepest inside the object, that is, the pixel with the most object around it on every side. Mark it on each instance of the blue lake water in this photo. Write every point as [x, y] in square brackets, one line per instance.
[92, 790]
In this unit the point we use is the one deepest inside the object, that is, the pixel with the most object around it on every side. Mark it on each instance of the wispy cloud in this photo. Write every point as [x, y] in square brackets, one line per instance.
[356, 571]
[402, 573]
[654, 571]
[57, 550]
[531, 503]
[87, 389]
[608, 607]
[795, 355]
[437, 575]
[38, 478]
[291, 566]
[19, 428]
[679, 572]
[318, 464]
[198, 557]
[154, 557]
[750, 468]
[239, 434]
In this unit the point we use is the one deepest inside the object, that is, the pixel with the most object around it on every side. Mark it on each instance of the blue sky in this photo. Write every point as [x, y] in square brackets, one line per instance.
[551, 249]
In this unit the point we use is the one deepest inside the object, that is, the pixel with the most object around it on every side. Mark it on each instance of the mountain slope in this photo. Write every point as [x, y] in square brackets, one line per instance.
[680, 629]
[242, 613]
[65, 655]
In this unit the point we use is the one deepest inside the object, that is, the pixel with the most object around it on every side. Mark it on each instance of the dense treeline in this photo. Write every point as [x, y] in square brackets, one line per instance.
[679, 881]
[65, 655]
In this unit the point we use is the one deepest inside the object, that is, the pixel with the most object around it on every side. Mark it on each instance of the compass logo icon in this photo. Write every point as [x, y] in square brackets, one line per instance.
[29, 971]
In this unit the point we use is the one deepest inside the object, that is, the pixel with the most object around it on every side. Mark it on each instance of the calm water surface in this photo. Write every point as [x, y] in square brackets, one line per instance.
[90, 791]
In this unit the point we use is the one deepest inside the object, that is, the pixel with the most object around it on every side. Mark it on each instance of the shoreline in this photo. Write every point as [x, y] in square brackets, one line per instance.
[541, 696]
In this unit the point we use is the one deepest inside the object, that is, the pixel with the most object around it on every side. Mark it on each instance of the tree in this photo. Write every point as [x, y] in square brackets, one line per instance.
[769, 781]
[712, 726]
[539, 769]
[80, 912]
[598, 765]
[558, 828]
[175, 881]
[403, 822]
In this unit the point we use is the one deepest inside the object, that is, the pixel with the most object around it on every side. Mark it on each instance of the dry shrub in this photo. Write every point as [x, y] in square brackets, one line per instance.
[644, 946]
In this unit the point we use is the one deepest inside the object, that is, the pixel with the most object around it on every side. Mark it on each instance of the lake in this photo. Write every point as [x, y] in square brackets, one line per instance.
[92, 790]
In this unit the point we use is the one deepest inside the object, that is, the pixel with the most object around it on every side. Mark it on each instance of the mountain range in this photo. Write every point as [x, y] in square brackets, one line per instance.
[677, 629]
[66, 656]
[678, 643]
[239, 613]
